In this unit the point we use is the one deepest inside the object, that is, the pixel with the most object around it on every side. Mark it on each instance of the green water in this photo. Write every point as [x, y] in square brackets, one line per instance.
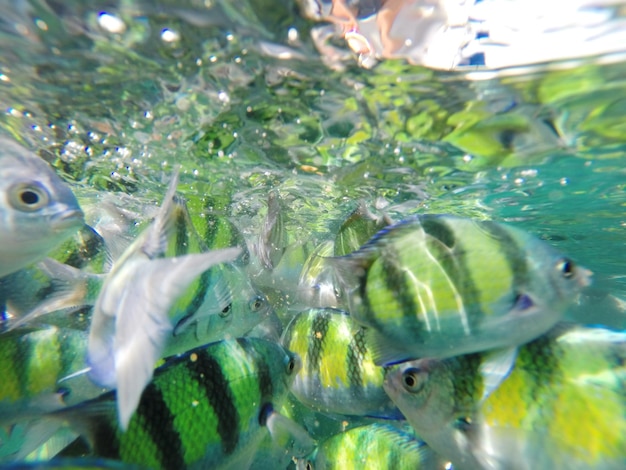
[114, 111]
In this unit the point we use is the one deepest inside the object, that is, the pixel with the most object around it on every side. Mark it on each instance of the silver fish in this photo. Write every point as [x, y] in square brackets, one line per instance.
[37, 209]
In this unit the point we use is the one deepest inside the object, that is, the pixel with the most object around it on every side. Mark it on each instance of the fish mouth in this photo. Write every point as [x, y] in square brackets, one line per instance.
[68, 219]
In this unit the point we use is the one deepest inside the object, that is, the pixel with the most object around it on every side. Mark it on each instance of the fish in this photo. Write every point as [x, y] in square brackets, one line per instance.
[231, 307]
[71, 463]
[135, 314]
[36, 362]
[338, 375]
[41, 373]
[38, 210]
[559, 402]
[318, 285]
[441, 285]
[208, 408]
[372, 446]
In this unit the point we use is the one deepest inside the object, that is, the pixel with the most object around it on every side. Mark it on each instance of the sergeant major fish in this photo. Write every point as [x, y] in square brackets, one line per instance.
[439, 286]
[38, 210]
[375, 446]
[338, 375]
[208, 408]
[135, 314]
[560, 403]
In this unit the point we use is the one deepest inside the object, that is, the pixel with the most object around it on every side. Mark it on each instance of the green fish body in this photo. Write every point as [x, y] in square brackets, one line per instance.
[139, 304]
[35, 362]
[438, 286]
[562, 404]
[38, 211]
[375, 446]
[231, 307]
[338, 374]
[204, 409]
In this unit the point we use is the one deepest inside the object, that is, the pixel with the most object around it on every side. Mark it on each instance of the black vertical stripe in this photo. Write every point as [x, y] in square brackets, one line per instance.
[514, 255]
[540, 360]
[266, 386]
[104, 429]
[198, 296]
[354, 361]
[158, 422]
[208, 373]
[182, 236]
[396, 281]
[436, 228]
[450, 254]
[319, 328]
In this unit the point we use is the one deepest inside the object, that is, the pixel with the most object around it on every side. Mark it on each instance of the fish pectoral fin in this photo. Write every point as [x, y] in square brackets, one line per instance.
[71, 288]
[496, 367]
[289, 435]
[134, 365]
[385, 352]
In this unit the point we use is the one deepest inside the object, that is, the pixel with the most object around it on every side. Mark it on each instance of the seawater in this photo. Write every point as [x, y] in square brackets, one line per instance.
[114, 94]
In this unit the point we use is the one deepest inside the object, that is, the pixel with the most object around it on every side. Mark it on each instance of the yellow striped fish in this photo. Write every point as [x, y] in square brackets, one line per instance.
[438, 286]
[338, 374]
[138, 306]
[562, 405]
[375, 446]
[208, 408]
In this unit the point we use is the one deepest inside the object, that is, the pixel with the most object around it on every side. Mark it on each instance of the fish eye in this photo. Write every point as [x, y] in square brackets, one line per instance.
[413, 380]
[292, 364]
[226, 311]
[256, 303]
[566, 267]
[28, 197]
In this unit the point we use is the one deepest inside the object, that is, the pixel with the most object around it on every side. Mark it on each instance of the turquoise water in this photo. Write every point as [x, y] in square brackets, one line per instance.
[237, 94]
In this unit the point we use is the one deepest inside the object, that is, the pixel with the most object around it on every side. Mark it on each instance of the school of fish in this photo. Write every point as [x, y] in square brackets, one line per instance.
[135, 336]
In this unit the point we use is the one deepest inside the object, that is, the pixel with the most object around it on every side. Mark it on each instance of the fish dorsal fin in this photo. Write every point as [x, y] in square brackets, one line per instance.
[143, 323]
[273, 237]
[155, 241]
[496, 367]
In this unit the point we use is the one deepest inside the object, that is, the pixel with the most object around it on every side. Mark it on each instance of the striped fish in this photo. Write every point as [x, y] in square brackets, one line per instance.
[338, 374]
[35, 361]
[207, 408]
[562, 405]
[438, 286]
[231, 307]
[375, 446]
[37, 364]
[139, 304]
